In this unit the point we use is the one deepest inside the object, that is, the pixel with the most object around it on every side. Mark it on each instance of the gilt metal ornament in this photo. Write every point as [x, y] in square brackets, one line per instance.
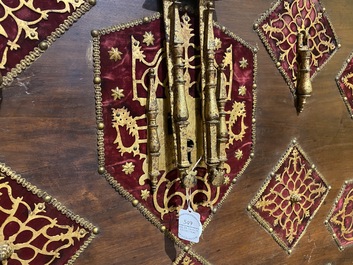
[289, 198]
[35, 228]
[29, 27]
[300, 40]
[175, 102]
[344, 82]
[339, 221]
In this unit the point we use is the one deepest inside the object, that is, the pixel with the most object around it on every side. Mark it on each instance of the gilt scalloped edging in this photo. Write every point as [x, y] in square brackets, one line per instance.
[38, 51]
[261, 221]
[9, 173]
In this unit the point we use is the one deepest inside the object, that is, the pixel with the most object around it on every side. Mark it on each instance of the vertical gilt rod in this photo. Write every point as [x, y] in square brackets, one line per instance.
[153, 139]
[211, 113]
[181, 113]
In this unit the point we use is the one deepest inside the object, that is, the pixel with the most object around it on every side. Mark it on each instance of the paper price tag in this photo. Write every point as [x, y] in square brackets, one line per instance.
[190, 227]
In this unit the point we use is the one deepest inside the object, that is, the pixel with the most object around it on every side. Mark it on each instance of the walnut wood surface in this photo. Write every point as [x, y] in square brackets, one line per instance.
[48, 135]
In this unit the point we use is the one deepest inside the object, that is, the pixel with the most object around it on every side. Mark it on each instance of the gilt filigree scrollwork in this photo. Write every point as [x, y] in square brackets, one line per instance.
[281, 29]
[21, 29]
[344, 82]
[33, 226]
[289, 198]
[339, 221]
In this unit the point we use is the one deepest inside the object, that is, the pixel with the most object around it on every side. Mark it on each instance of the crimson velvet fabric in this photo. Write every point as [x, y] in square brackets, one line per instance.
[279, 30]
[118, 75]
[290, 198]
[345, 84]
[23, 225]
[41, 20]
[340, 219]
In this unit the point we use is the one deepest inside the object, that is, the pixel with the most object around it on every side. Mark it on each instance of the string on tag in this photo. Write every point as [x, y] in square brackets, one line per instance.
[188, 190]
[188, 198]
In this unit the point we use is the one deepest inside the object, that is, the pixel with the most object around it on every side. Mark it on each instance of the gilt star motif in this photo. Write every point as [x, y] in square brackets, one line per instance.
[238, 154]
[226, 180]
[217, 43]
[243, 63]
[115, 54]
[145, 194]
[242, 90]
[128, 168]
[117, 93]
[148, 38]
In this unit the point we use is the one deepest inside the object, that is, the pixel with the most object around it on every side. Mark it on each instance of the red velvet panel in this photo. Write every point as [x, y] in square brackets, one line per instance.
[279, 27]
[289, 198]
[345, 83]
[35, 229]
[126, 160]
[187, 259]
[24, 24]
[340, 220]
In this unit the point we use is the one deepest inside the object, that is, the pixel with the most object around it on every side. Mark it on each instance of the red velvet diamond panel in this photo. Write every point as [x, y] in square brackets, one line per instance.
[278, 29]
[289, 198]
[345, 83]
[35, 228]
[27, 28]
[340, 219]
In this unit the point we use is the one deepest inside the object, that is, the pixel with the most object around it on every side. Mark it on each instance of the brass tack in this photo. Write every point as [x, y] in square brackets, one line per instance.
[97, 80]
[95, 230]
[101, 170]
[92, 2]
[94, 33]
[43, 45]
[47, 198]
[100, 126]
[135, 203]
